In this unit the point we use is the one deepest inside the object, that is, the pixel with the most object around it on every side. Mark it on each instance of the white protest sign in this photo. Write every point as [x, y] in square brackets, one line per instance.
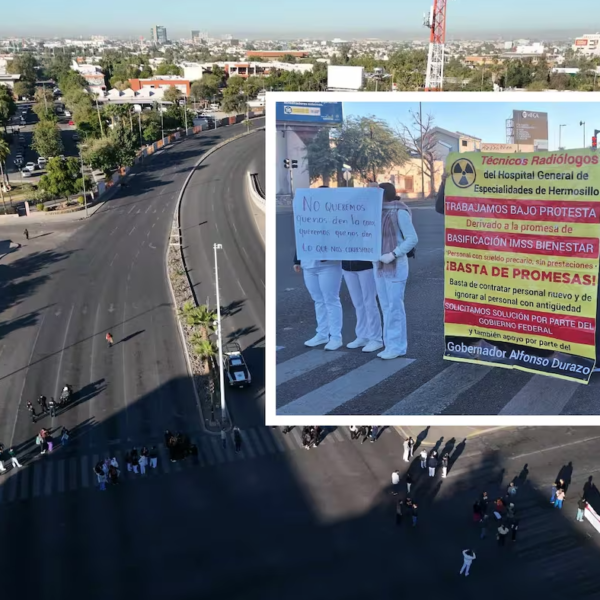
[338, 223]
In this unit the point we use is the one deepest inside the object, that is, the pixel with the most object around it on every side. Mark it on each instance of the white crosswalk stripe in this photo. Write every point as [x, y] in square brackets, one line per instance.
[341, 383]
[51, 474]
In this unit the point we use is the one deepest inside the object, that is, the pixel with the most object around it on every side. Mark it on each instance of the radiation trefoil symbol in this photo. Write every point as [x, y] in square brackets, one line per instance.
[463, 173]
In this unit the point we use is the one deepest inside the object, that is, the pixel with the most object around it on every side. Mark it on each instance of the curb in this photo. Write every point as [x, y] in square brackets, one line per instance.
[475, 434]
[177, 222]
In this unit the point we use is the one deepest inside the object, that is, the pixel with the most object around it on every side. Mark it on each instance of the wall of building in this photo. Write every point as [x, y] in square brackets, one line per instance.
[291, 145]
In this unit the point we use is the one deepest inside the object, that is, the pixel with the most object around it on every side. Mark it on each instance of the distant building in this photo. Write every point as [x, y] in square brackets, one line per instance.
[275, 54]
[195, 36]
[451, 141]
[156, 83]
[535, 48]
[92, 74]
[159, 34]
[589, 44]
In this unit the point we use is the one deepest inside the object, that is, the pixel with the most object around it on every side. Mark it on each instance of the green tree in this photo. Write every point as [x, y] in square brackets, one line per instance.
[198, 316]
[206, 88]
[172, 94]
[62, 178]
[4, 154]
[126, 144]
[322, 156]
[203, 348]
[369, 145]
[8, 105]
[46, 139]
[101, 154]
[168, 69]
[25, 65]
[23, 88]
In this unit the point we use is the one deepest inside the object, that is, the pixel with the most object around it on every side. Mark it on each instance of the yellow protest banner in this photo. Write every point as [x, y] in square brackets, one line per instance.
[521, 260]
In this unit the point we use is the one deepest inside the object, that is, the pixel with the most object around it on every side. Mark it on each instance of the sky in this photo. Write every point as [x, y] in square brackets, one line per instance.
[333, 18]
[487, 120]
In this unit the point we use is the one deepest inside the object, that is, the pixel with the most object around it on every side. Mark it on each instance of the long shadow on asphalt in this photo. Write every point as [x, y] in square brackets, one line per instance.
[20, 279]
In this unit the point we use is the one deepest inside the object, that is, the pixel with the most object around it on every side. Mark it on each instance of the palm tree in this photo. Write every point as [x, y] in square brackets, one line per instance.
[200, 316]
[4, 154]
[204, 348]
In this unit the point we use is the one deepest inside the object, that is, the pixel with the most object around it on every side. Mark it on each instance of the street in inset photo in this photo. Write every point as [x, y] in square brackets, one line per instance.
[437, 258]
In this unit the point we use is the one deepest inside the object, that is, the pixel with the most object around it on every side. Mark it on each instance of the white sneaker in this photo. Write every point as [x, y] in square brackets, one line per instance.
[372, 346]
[334, 344]
[318, 340]
[388, 355]
[357, 343]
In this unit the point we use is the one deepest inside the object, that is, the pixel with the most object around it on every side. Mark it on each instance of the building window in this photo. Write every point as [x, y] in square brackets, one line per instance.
[409, 185]
[464, 142]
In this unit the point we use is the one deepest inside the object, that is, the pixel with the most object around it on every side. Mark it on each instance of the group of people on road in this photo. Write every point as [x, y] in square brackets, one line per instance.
[11, 455]
[500, 514]
[49, 407]
[107, 471]
[311, 436]
[366, 281]
[365, 433]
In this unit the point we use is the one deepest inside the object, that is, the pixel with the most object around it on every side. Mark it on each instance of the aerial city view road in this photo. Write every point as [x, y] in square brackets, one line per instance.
[135, 461]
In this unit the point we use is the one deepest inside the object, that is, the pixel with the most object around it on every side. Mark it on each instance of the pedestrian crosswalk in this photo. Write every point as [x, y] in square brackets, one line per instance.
[342, 382]
[54, 473]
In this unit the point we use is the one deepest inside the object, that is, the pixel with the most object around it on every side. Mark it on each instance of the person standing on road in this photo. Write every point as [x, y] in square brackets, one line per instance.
[581, 506]
[423, 459]
[445, 460]
[468, 558]
[135, 460]
[353, 432]
[31, 410]
[26, 234]
[514, 527]
[409, 482]
[559, 484]
[395, 482]
[114, 463]
[360, 281]
[2, 467]
[366, 433]
[43, 404]
[143, 461]
[511, 490]
[477, 511]
[483, 524]
[502, 533]
[64, 436]
[223, 438]
[237, 439]
[323, 280]
[374, 433]
[109, 339]
[52, 407]
[398, 237]
[14, 461]
[406, 450]
[433, 463]
[485, 502]
[560, 496]
[415, 514]
[153, 454]
[399, 507]
[411, 447]
[128, 462]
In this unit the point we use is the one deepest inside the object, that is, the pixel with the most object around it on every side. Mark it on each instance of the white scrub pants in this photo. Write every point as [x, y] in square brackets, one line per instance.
[323, 283]
[361, 286]
[391, 299]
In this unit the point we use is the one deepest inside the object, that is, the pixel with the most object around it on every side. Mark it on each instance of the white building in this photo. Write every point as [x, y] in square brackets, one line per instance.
[535, 48]
[588, 45]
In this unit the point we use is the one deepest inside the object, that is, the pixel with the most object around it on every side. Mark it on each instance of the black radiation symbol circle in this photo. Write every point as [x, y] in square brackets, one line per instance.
[463, 173]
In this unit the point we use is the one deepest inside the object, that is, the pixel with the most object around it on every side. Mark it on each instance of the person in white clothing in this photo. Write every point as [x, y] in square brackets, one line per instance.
[323, 280]
[391, 270]
[359, 278]
[395, 482]
[143, 463]
[406, 446]
[468, 558]
[423, 459]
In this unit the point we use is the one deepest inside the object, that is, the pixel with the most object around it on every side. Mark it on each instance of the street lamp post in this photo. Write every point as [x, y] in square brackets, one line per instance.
[219, 339]
[582, 124]
[560, 136]
[140, 124]
[185, 113]
[162, 124]
[83, 183]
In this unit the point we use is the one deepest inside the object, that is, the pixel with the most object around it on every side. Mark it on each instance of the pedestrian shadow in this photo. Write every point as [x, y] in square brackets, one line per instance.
[232, 308]
[87, 392]
[421, 438]
[521, 479]
[131, 336]
[436, 446]
[566, 474]
[35, 237]
[457, 452]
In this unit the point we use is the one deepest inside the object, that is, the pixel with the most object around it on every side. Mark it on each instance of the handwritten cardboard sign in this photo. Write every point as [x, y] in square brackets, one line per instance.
[338, 224]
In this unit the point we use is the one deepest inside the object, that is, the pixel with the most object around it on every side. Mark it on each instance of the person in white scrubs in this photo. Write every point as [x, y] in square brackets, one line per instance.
[359, 278]
[391, 270]
[323, 280]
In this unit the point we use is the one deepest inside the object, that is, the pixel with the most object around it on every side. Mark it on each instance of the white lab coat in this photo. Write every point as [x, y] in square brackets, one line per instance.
[391, 289]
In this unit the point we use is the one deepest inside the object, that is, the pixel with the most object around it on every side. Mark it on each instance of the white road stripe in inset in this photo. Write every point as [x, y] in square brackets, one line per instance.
[278, 348]
[276, 437]
[217, 449]
[343, 389]
[253, 435]
[303, 363]
[541, 395]
[206, 449]
[440, 391]
[247, 447]
[267, 439]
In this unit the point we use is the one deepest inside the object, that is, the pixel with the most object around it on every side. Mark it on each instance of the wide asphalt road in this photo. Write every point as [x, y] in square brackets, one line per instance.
[216, 210]
[107, 275]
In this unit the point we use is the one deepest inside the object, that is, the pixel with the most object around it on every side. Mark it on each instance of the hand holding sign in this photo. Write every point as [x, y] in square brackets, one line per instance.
[338, 224]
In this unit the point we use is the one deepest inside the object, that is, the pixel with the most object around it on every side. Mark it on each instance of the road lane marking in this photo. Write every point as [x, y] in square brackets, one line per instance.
[332, 395]
[440, 391]
[278, 348]
[117, 227]
[131, 209]
[12, 437]
[541, 396]
[132, 230]
[62, 353]
[113, 260]
[303, 363]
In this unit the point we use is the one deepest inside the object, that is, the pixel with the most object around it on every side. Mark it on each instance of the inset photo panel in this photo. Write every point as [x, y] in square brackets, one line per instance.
[432, 256]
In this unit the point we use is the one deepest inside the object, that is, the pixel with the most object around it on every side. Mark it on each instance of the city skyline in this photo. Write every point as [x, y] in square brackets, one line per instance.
[487, 120]
[466, 19]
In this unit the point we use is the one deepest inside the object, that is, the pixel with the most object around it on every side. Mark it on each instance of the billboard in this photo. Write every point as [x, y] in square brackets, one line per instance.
[530, 128]
[305, 113]
[521, 261]
[581, 42]
[506, 148]
[345, 78]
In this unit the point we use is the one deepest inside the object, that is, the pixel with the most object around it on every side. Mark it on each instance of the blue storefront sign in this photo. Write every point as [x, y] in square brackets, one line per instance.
[318, 113]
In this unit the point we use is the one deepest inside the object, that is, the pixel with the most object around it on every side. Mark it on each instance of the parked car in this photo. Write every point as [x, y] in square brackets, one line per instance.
[41, 161]
[31, 166]
[25, 173]
[18, 161]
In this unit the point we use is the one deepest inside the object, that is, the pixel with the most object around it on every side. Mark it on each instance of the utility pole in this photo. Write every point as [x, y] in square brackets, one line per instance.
[219, 338]
[582, 123]
[99, 118]
[83, 183]
[162, 124]
[140, 124]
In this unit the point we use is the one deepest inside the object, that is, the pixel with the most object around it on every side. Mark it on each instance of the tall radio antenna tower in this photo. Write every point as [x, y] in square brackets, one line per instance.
[435, 21]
